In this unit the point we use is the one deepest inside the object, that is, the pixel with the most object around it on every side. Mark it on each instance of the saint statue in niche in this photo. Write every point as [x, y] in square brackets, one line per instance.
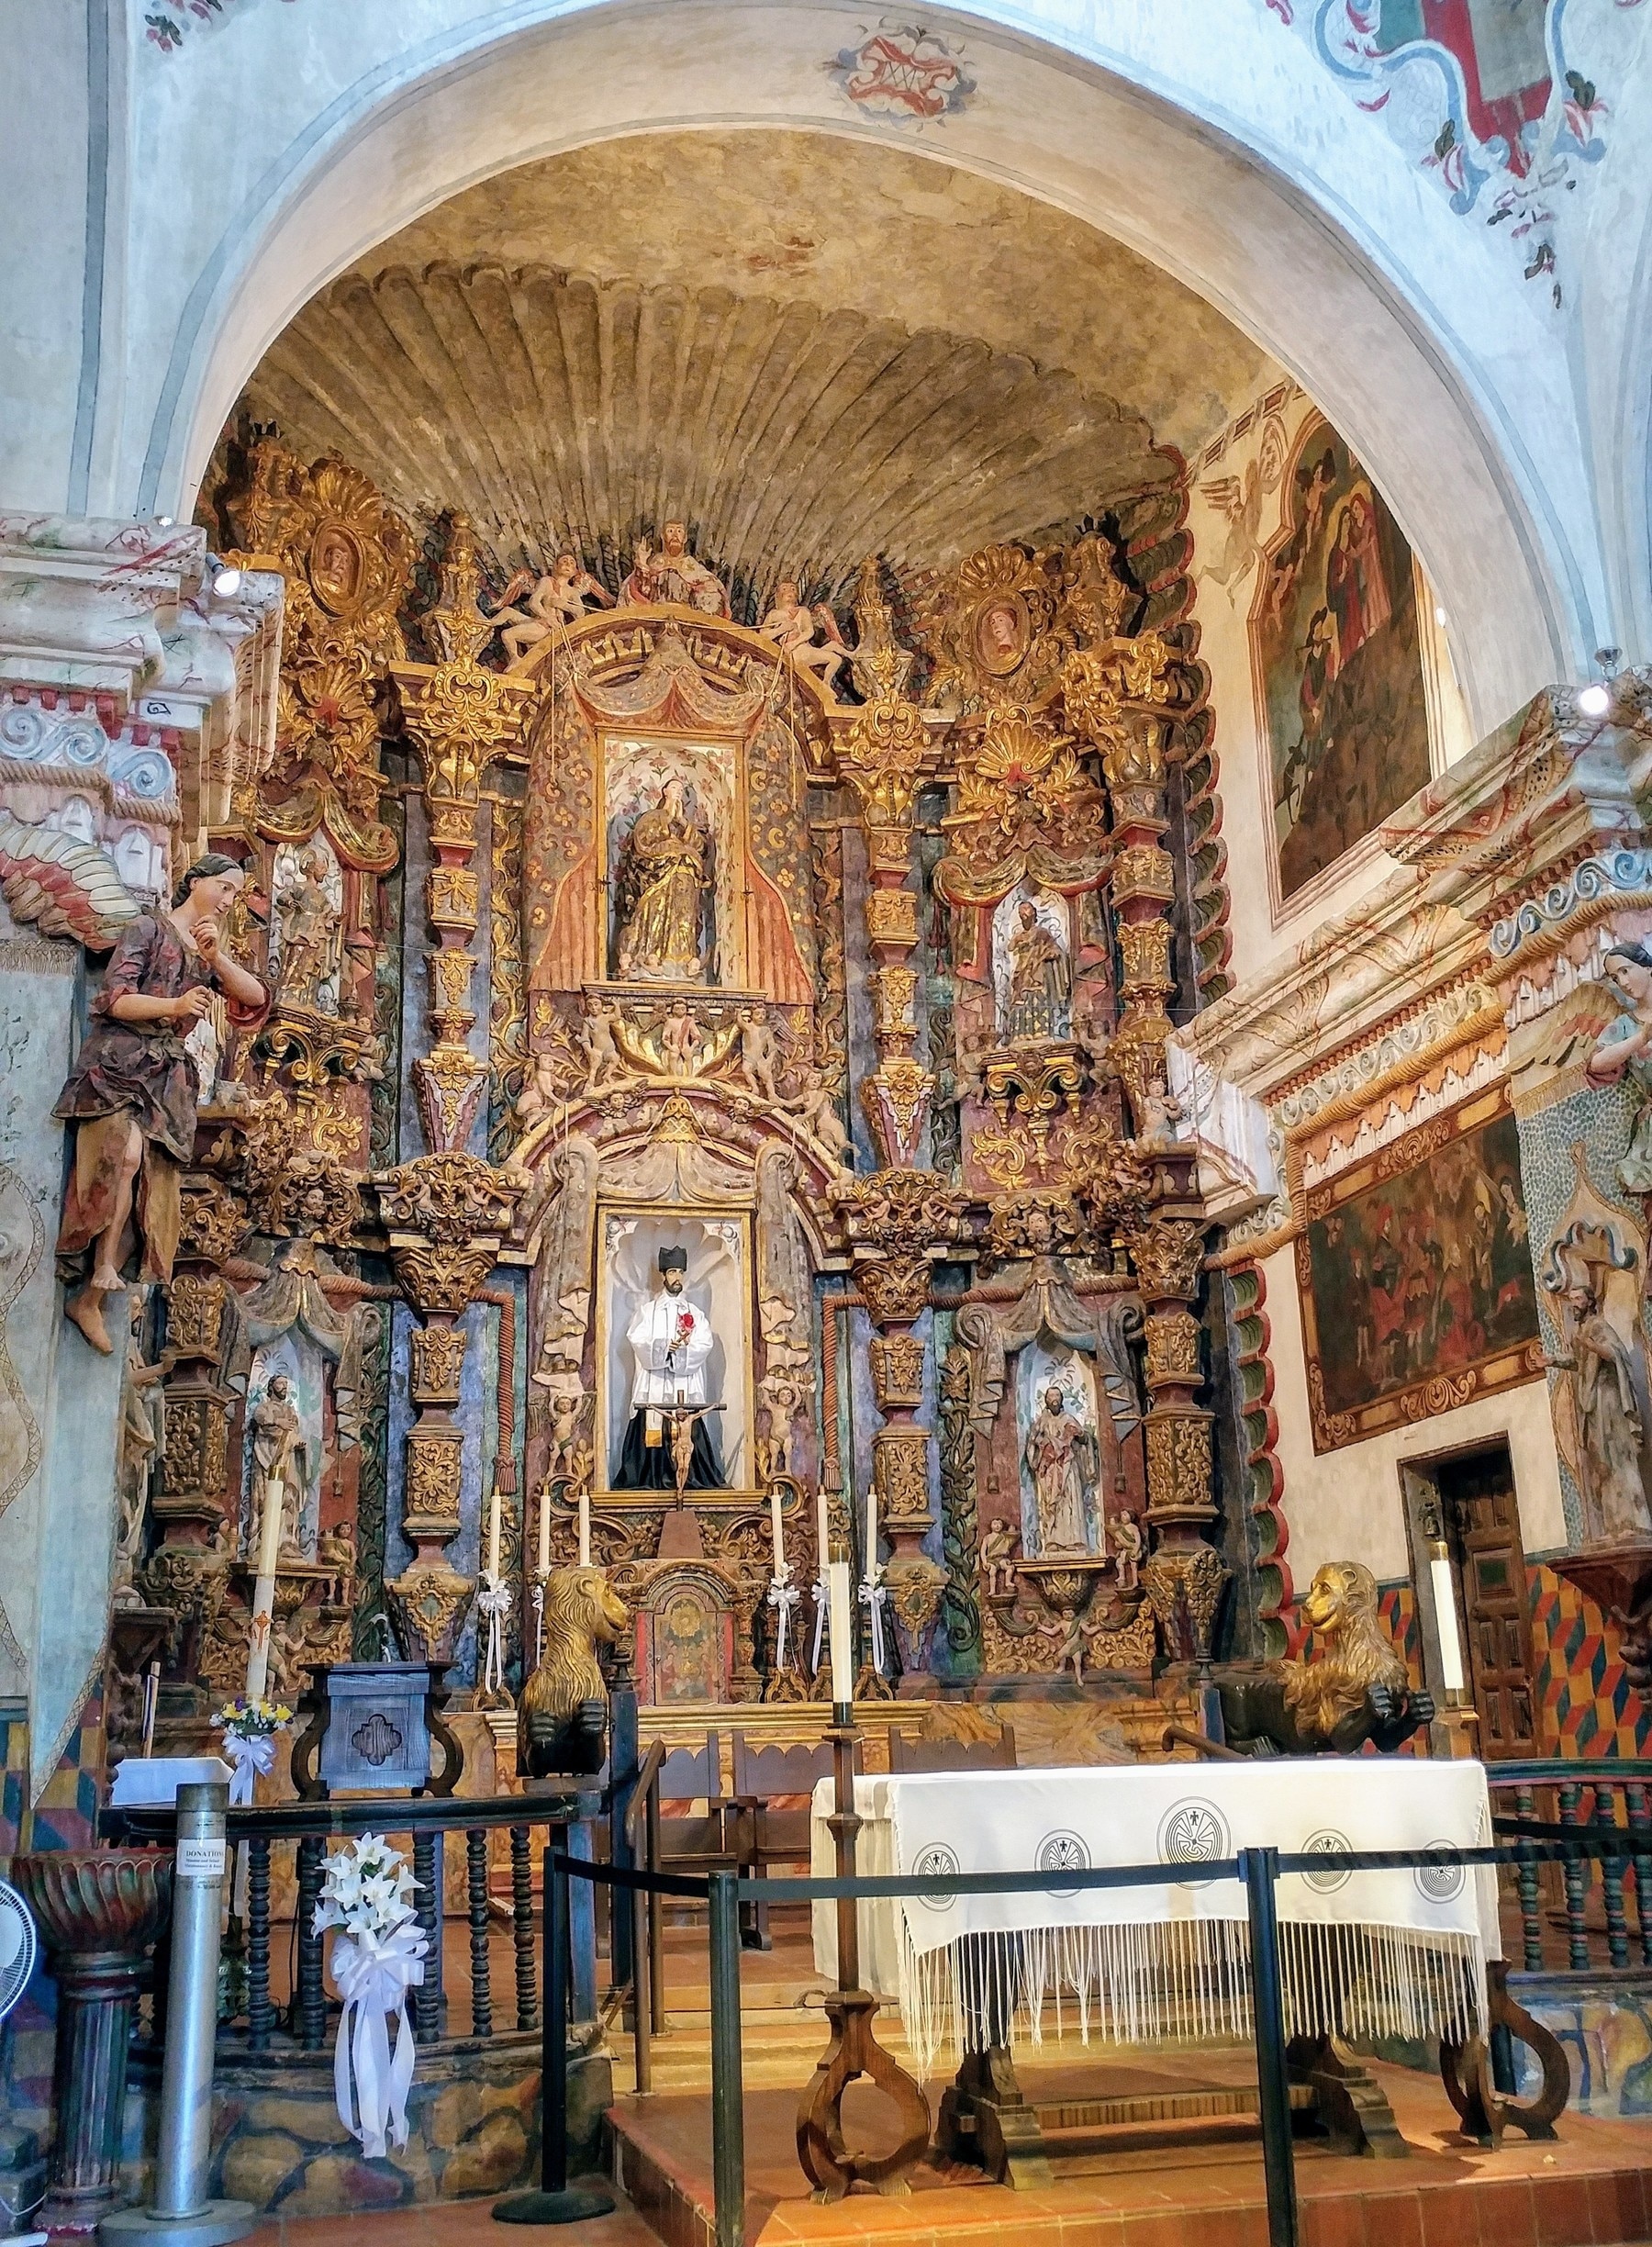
[1063, 1459]
[1623, 1055]
[309, 939]
[659, 894]
[670, 1340]
[670, 573]
[1039, 987]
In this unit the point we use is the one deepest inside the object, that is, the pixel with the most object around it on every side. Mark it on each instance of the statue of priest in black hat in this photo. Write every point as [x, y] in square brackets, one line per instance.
[671, 1341]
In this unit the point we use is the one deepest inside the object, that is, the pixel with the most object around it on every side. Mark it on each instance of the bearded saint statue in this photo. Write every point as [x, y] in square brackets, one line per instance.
[660, 889]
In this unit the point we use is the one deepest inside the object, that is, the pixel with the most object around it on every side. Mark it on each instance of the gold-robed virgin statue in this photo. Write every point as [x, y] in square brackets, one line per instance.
[661, 891]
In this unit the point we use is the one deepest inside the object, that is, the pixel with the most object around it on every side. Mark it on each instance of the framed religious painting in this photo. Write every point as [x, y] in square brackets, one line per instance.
[673, 1355]
[1416, 1276]
[1337, 659]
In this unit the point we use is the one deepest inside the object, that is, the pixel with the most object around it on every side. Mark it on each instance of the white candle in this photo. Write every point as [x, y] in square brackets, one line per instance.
[493, 1534]
[1445, 1622]
[269, 1527]
[872, 1529]
[776, 1535]
[822, 1534]
[585, 1527]
[545, 1528]
[843, 1644]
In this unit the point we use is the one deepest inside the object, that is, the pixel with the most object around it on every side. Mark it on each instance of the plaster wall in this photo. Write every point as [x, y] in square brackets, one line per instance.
[1346, 1505]
[1201, 135]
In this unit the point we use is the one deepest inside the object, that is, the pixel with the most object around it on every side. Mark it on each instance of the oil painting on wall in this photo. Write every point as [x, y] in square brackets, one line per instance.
[1338, 662]
[1416, 1278]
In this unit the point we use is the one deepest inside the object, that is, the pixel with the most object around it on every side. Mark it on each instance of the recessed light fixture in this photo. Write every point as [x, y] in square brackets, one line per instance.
[227, 584]
[1594, 701]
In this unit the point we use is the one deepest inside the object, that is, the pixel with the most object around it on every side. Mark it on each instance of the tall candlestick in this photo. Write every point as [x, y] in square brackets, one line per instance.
[492, 1533]
[776, 1535]
[843, 1644]
[872, 1529]
[585, 1527]
[544, 1530]
[823, 1532]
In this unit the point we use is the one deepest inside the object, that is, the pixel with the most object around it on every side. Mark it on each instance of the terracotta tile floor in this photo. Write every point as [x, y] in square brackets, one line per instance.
[1583, 2191]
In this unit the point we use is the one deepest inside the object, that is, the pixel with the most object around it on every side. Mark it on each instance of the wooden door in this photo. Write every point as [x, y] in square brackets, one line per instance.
[1488, 1562]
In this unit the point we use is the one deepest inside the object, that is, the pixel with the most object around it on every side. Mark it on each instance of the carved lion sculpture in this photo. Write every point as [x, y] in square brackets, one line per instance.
[563, 1708]
[1356, 1690]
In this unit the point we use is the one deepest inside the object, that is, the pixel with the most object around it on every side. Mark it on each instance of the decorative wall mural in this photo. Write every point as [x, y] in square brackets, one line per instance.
[1416, 1278]
[1487, 95]
[904, 72]
[1338, 665]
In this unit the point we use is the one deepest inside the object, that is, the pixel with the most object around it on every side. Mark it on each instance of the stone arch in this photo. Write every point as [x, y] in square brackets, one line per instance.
[1154, 153]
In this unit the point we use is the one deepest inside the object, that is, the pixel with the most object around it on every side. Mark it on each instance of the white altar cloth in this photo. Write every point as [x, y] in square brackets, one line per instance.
[1399, 1953]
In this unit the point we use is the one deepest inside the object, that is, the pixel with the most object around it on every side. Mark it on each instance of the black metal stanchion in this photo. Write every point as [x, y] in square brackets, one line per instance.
[1259, 1869]
[727, 2109]
[183, 2214]
[556, 2202]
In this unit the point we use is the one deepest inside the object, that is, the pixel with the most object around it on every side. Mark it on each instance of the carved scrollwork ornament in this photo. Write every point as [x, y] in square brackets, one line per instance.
[438, 1362]
[1168, 1255]
[1035, 1221]
[1172, 1348]
[900, 1473]
[450, 1198]
[1179, 1466]
[896, 1362]
[895, 1288]
[314, 1199]
[213, 1223]
[1184, 1587]
[881, 756]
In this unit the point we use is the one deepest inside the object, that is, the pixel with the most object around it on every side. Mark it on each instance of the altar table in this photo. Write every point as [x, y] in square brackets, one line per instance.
[1400, 1953]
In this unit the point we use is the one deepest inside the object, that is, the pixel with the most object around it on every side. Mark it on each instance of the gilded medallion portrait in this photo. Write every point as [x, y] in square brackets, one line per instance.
[1002, 633]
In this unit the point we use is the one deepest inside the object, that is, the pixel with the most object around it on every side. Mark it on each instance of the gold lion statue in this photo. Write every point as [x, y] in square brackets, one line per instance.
[1356, 1690]
[563, 1708]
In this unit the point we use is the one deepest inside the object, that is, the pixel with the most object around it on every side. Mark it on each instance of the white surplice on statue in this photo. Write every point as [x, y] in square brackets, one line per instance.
[1400, 1953]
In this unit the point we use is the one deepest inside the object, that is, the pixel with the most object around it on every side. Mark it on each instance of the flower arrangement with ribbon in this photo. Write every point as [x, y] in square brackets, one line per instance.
[248, 1729]
[377, 1956]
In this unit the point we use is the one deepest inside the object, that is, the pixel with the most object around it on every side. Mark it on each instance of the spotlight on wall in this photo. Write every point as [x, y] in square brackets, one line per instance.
[165, 521]
[227, 584]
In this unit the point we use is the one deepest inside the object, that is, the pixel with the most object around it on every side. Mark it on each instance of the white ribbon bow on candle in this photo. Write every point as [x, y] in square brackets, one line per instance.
[783, 1595]
[373, 1974]
[249, 1753]
[495, 1603]
[873, 1596]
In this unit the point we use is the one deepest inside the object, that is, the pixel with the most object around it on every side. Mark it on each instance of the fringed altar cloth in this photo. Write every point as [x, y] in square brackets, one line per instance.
[1400, 1953]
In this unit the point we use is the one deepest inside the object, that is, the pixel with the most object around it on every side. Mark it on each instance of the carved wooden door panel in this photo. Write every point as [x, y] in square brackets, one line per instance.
[1483, 1526]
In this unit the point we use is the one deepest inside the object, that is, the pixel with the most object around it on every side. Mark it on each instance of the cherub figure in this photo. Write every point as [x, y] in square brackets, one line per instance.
[604, 1071]
[1155, 1126]
[567, 1412]
[793, 626]
[759, 1056]
[997, 1553]
[559, 598]
[816, 1113]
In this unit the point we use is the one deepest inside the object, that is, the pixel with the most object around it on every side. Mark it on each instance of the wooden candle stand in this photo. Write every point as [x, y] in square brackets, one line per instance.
[828, 2162]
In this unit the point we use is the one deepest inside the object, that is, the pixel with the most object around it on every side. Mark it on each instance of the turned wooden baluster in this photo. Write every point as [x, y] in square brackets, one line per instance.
[476, 1868]
[1613, 1872]
[260, 2012]
[1576, 1875]
[1526, 1880]
[309, 2000]
[427, 1994]
[1640, 1828]
[521, 1928]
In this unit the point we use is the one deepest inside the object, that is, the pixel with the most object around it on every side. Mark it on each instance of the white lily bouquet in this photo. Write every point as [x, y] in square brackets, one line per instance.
[249, 1727]
[377, 1956]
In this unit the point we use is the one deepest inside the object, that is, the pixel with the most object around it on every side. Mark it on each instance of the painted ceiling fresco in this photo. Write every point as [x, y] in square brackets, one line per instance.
[813, 349]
